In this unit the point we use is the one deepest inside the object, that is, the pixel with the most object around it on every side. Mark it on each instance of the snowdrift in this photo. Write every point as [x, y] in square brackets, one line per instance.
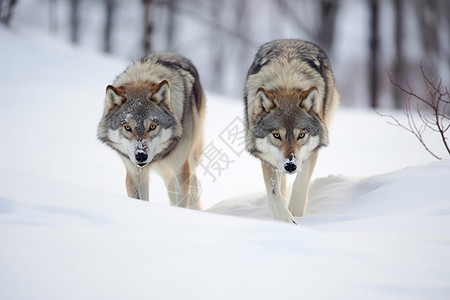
[377, 229]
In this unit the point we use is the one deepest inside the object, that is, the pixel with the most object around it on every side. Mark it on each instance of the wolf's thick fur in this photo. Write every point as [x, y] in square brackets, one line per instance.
[290, 96]
[153, 118]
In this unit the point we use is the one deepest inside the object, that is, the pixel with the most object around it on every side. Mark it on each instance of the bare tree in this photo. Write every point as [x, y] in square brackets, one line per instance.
[242, 18]
[374, 45]
[446, 10]
[53, 16]
[2, 11]
[74, 21]
[290, 10]
[321, 32]
[429, 17]
[148, 26]
[426, 113]
[181, 8]
[217, 43]
[399, 65]
[325, 32]
[110, 7]
[171, 24]
[6, 11]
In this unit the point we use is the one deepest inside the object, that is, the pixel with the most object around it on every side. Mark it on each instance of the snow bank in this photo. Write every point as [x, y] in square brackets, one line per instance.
[385, 237]
[375, 230]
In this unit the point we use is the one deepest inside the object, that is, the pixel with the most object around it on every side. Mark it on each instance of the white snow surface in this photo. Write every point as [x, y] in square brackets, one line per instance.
[377, 224]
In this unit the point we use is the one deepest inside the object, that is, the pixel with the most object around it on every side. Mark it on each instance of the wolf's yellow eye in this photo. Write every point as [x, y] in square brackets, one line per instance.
[127, 128]
[277, 135]
[152, 127]
[303, 133]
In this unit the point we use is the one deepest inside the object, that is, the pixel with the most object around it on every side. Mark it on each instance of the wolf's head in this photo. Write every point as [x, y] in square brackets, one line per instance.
[138, 120]
[286, 128]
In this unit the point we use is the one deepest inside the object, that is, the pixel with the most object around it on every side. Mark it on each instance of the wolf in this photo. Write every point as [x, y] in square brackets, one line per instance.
[153, 118]
[290, 96]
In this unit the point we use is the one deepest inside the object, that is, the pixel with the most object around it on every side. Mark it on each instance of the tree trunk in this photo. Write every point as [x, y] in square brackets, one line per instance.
[74, 21]
[6, 11]
[243, 14]
[328, 12]
[428, 13]
[148, 27]
[1, 12]
[217, 46]
[110, 6]
[374, 53]
[447, 21]
[53, 15]
[399, 64]
[171, 24]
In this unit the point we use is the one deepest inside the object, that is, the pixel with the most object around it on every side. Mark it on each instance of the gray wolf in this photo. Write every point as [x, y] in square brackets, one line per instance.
[290, 96]
[153, 118]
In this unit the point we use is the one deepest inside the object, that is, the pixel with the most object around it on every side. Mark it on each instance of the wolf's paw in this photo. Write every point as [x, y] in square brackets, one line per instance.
[285, 216]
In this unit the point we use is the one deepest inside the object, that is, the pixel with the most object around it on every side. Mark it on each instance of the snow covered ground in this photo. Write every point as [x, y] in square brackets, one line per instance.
[377, 225]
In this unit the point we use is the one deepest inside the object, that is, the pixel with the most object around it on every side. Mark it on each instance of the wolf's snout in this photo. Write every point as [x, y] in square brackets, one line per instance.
[141, 157]
[290, 167]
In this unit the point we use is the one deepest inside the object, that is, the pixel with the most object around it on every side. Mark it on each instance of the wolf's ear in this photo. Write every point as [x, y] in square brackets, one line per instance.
[115, 96]
[310, 99]
[264, 101]
[161, 94]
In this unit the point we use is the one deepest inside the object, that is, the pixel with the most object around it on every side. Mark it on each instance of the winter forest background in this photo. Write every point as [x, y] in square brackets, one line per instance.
[378, 219]
[365, 40]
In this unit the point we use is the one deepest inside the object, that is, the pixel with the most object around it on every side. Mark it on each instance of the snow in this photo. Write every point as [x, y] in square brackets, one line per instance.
[377, 223]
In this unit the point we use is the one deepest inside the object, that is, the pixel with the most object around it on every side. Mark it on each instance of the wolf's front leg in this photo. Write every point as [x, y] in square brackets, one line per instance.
[277, 205]
[299, 196]
[184, 190]
[194, 193]
[137, 182]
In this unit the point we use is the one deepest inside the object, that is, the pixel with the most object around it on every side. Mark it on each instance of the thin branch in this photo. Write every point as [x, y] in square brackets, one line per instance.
[446, 128]
[418, 136]
[408, 92]
[433, 118]
[428, 123]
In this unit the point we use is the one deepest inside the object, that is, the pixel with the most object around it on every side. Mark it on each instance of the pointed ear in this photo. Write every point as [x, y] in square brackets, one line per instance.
[264, 101]
[161, 94]
[115, 96]
[310, 99]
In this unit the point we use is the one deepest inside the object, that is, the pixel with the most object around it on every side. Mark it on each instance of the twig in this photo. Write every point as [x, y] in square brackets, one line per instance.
[434, 117]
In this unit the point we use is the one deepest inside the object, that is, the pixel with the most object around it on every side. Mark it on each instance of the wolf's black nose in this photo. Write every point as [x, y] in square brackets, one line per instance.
[290, 167]
[141, 156]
